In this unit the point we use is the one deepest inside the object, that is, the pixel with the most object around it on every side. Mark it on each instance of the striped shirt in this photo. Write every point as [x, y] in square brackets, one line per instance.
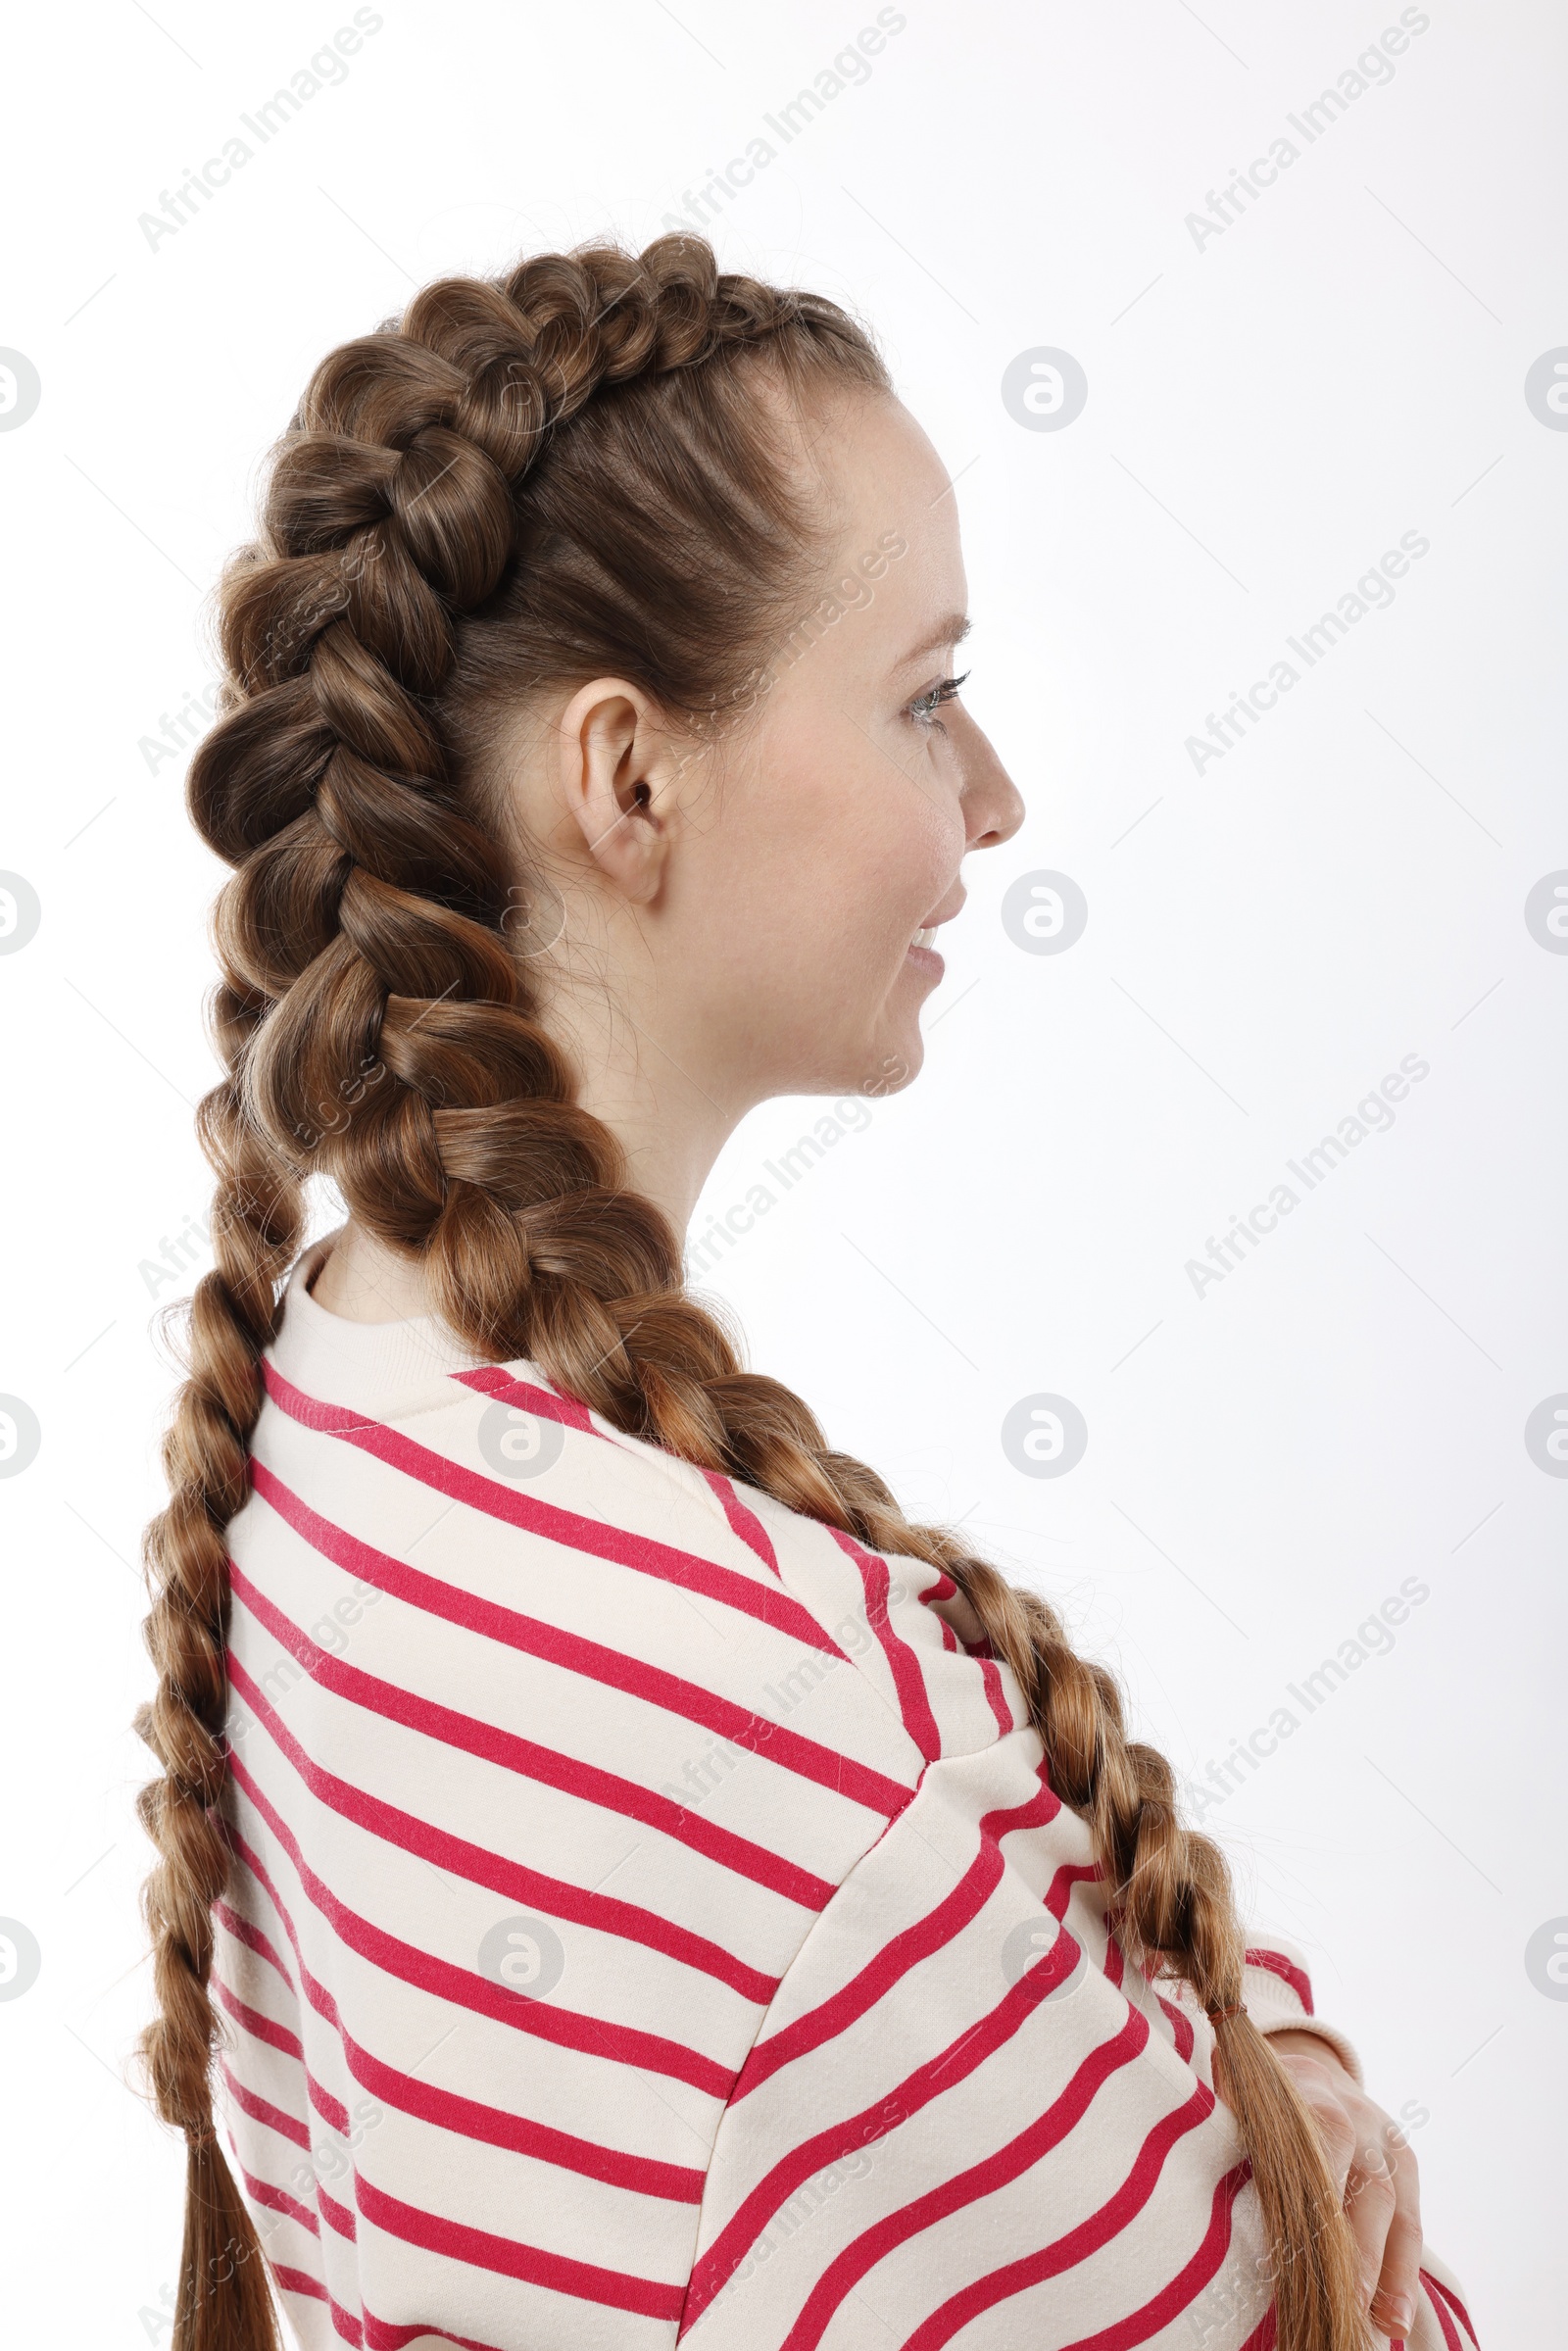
[650, 1921]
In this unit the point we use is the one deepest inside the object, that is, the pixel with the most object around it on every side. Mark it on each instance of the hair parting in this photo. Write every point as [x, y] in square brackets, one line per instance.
[559, 474]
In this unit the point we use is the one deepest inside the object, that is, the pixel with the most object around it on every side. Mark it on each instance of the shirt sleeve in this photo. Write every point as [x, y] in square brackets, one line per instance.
[1278, 1990]
[964, 2112]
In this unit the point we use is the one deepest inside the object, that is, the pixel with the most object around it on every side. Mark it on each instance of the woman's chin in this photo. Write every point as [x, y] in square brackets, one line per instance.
[895, 1059]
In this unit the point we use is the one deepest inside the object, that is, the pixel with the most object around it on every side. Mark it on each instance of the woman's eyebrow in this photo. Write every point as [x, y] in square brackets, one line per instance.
[951, 631]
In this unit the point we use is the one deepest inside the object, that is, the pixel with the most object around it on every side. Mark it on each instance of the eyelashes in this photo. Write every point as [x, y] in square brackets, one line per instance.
[924, 710]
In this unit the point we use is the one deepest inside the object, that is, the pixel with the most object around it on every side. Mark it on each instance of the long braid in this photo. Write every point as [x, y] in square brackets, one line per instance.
[256, 1229]
[565, 474]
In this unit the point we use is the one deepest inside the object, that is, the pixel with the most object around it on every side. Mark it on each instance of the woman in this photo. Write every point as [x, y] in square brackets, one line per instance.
[636, 1885]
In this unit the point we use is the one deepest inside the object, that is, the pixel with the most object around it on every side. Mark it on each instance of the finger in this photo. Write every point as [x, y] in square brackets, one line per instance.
[1354, 2134]
[1370, 2206]
[1325, 2101]
[1394, 2303]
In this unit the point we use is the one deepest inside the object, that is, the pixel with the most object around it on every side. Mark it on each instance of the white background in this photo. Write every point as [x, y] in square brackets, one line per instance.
[1267, 412]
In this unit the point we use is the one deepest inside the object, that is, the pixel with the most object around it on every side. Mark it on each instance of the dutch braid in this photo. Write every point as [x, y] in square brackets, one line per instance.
[436, 542]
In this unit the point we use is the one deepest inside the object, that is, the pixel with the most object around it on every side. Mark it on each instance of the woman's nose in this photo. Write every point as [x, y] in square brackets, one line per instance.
[992, 805]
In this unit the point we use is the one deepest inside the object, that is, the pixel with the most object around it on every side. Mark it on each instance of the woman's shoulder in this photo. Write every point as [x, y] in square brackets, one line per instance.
[487, 1505]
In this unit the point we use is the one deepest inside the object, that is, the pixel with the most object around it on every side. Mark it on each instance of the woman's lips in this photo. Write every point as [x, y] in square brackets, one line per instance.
[922, 954]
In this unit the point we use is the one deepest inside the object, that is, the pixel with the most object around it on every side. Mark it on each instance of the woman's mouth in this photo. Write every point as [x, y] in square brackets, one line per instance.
[921, 953]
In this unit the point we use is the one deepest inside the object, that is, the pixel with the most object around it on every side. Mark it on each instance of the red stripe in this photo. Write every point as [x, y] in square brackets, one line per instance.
[1289, 1972]
[554, 1769]
[744, 1522]
[997, 2172]
[348, 2328]
[673, 2183]
[379, 2336]
[243, 1931]
[929, 2081]
[942, 1589]
[1138, 2325]
[332, 2110]
[914, 1703]
[261, 2110]
[607, 1914]
[1450, 2332]
[278, 2199]
[995, 1696]
[1435, 2285]
[568, 1528]
[790, 1750]
[548, 2020]
[1261, 2338]
[583, 2280]
[1181, 2029]
[346, 2325]
[945, 1588]
[376, 2333]
[259, 2026]
[299, 2282]
[449, 2110]
[337, 2216]
[543, 1402]
[905, 1949]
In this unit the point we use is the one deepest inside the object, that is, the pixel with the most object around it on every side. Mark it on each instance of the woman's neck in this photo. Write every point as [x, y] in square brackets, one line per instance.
[670, 1132]
[364, 1281]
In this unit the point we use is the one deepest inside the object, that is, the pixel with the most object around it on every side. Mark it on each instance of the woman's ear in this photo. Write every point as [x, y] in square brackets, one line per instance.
[615, 764]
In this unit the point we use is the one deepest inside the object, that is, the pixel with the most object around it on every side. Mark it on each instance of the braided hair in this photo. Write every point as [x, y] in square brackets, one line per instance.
[571, 472]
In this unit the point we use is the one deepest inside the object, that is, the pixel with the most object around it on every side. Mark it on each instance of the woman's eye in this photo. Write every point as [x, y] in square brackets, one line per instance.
[924, 710]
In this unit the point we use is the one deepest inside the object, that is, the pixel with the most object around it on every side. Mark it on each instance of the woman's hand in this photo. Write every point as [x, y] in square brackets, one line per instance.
[1371, 2161]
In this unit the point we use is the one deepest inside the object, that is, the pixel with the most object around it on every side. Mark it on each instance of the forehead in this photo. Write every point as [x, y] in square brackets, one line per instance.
[874, 460]
[881, 484]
